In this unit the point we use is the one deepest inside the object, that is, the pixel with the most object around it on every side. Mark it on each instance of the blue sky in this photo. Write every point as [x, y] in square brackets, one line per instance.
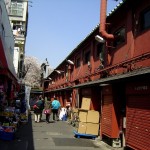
[56, 27]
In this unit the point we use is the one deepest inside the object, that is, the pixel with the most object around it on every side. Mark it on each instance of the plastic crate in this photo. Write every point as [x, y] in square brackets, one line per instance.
[78, 135]
[6, 135]
[64, 118]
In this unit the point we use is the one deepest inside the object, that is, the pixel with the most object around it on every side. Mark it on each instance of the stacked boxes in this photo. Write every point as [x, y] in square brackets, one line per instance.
[83, 115]
[92, 122]
[82, 127]
[88, 119]
[92, 128]
[86, 103]
[93, 116]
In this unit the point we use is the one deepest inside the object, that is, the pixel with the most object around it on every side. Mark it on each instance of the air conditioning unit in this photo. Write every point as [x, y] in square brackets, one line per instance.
[116, 143]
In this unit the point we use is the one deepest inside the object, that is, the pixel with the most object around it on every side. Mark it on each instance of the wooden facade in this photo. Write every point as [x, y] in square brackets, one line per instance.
[138, 115]
[114, 74]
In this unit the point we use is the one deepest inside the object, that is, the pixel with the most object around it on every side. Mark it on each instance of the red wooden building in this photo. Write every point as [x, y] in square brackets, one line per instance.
[112, 67]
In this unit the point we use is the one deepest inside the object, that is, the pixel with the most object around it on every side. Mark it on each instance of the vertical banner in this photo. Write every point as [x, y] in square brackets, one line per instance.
[27, 96]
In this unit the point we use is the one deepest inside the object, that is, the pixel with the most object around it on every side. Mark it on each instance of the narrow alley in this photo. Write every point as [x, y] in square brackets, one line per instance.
[86, 62]
[53, 136]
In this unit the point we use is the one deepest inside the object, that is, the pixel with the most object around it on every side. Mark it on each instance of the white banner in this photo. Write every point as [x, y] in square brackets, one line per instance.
[27, 96]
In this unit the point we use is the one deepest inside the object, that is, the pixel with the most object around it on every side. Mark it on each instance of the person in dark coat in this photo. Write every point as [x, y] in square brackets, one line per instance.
[38, 110]
[41, 105]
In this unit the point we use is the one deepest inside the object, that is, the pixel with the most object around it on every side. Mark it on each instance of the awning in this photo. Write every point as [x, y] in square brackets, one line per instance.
[36, 92]
[7, 73]
[134, 73]
[61, 89]
[6, 63]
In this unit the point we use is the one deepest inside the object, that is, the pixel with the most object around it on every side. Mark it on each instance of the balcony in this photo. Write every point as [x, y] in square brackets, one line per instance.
[16, 9]
[16, 12]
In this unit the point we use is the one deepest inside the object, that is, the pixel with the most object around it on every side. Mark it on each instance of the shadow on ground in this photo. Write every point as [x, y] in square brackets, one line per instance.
[23, 139]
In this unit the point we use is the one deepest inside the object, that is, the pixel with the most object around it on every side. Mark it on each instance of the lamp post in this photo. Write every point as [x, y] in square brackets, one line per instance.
[59, 71]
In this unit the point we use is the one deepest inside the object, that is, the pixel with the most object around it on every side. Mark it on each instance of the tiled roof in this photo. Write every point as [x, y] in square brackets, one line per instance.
[117, 6]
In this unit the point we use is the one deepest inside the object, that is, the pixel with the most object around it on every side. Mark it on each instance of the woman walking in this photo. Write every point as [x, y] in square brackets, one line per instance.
[37, 110]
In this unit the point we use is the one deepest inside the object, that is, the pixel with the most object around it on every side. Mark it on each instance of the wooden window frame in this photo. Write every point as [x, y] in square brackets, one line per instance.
[143, 19]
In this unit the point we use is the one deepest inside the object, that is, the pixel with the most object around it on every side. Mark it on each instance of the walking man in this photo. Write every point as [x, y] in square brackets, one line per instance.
[55, 109]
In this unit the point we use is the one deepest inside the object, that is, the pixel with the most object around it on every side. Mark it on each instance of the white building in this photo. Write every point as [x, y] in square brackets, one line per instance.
[8, 78]
[16, 58]
[6, 37]
[18, 16]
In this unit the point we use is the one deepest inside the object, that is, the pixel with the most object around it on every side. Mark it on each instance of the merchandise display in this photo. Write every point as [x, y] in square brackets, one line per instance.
[10, 119]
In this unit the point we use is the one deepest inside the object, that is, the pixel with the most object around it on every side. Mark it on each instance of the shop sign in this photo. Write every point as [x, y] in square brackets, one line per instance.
[138, 88]
[141, 88]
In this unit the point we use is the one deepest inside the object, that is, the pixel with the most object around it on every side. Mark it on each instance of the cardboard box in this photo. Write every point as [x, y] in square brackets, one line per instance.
[75, 110]
[86, 103]
[92, 128]
[81, 127]
[93, 116]
[83, 115]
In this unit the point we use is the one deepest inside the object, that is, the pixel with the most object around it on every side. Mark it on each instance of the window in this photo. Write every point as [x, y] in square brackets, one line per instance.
[145, 19]
[16, 9]
[78, 62]
[119, 37]
[18, 25]
[18, 28]
[87, 57]
[100, 51]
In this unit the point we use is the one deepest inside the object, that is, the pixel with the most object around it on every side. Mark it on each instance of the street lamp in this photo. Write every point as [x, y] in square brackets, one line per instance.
[99, 39]
[59, 71]
[70, 62]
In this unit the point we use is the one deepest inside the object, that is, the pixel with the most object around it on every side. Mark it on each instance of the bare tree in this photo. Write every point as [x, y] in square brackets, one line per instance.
[32, 71]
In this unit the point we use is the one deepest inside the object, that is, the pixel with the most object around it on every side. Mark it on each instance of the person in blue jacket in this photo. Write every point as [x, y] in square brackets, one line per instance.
[55, 109]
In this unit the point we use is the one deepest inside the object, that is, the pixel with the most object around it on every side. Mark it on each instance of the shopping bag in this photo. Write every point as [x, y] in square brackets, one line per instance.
[47, 111]
[35, 107]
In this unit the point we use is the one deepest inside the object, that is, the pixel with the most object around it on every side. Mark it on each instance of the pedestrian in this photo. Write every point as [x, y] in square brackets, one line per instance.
[63, 114]
[32, 102]
[68, 112]
[47, 109]
[37, 110]
[55, 109]
[42, 105]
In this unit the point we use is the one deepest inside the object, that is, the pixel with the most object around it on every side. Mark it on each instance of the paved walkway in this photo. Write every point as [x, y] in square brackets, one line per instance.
[53, 136]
